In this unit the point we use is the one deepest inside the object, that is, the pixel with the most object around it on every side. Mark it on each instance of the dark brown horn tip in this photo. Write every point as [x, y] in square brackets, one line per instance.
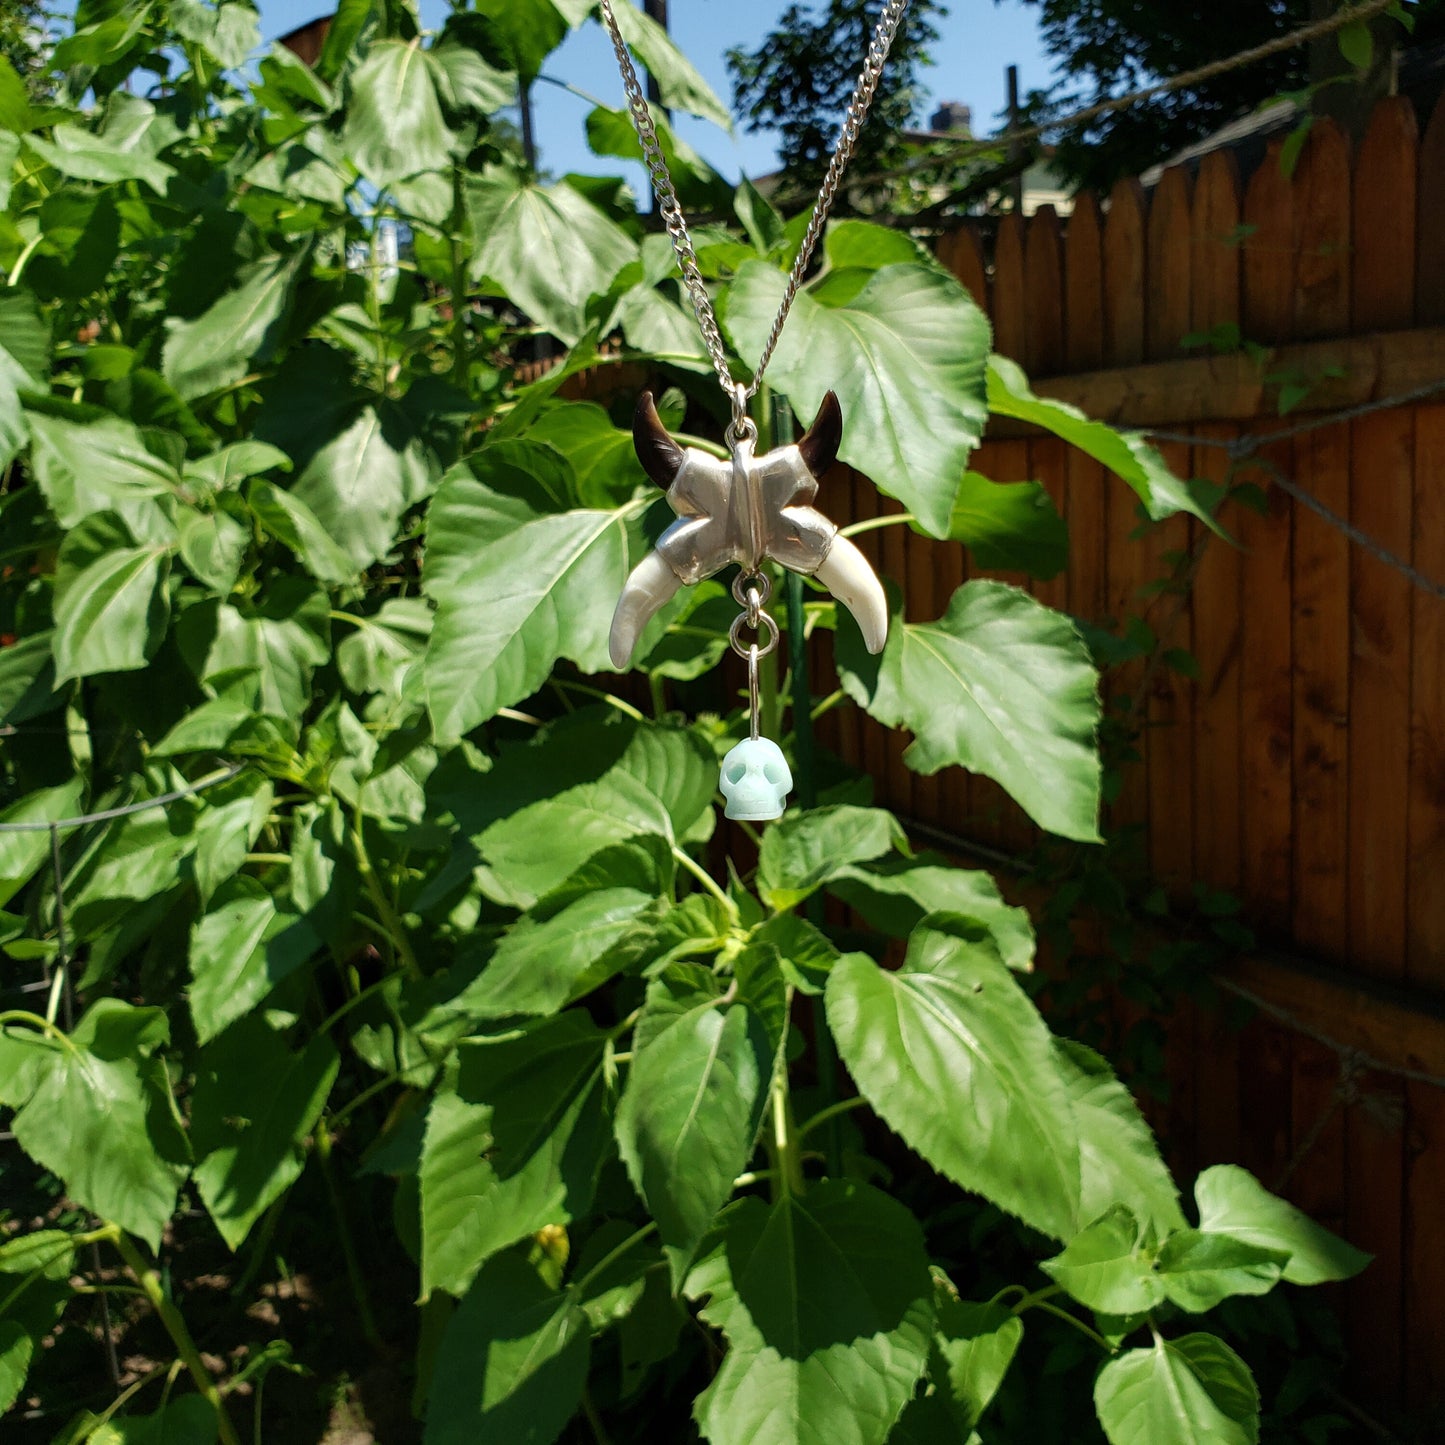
[820, 443]
[659, 454]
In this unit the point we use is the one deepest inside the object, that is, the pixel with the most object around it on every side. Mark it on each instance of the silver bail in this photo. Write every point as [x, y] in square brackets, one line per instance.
[742, 428]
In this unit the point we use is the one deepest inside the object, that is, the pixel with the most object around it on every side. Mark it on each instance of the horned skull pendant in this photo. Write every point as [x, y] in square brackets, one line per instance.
[744, 510]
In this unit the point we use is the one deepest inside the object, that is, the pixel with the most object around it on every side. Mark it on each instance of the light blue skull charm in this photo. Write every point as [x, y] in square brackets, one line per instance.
[756, 781]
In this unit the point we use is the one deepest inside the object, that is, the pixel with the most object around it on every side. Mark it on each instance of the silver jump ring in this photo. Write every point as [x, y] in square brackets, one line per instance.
[735, 635]
[756, 583]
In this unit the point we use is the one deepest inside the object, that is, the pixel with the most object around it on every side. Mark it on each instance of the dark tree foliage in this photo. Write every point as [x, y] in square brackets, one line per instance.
[800, 78]
[22, 27]
[1106, 48]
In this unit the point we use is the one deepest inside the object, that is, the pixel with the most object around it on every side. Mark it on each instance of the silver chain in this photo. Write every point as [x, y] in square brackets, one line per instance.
[676, 222]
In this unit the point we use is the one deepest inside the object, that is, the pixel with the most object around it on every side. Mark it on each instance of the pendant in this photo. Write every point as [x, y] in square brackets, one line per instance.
[746, 510]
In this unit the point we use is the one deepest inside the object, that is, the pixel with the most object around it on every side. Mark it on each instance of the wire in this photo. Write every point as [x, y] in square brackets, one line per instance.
[1244, 449]
[1189, 79]
[143, 806]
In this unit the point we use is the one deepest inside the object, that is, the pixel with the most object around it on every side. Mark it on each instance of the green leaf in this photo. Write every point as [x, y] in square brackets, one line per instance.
[14, 101]
[690, 1108]
[467, 85]
[111, 606]
[255, 1101]
[827, 1304]
[1199, 1270]
[512, 1363]
[358, 485]
[1190, 1391]
[524, 32]
[98, 465]
[292, 522]
[682, 87]
[81, 231]
[100, 1118]
[1233, 1202]
[612, 133]
[952, 1025]
[1108, 1267]
[865, 244]
[807, 849]
[230, 30]
[21, 854]
[378, 655]
[896, 894]
[24, 364]
[552, 804]
[975, 1344]
[515, 1148]
[124, 149]
[541, 965]
[394, 124]
[1119, 1158]
[527, 598]
[759, 219]
[242, 329]
[1009, 526]
[1357, 44]
[35, 1274]
[212, 545]
[906, 358]
[277, 642]
[246, 944]
[1125, 453]
[547, 248]
[1001, 685]
[189, 1420]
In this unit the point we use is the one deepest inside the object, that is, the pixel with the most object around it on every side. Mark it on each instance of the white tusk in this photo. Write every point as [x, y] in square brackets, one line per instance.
[650, 587]
[846, 574]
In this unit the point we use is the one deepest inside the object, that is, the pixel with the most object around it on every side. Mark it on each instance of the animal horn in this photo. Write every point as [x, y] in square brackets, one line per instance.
[650, 587]
[659, 454]
[820, 442]
[846, 574]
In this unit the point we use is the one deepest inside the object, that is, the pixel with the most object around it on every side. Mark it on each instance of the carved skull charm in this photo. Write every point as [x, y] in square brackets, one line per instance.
[744, 510]
[756, 781]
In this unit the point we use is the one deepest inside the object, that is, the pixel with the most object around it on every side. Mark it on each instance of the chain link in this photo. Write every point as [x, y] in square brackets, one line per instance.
[676, 222]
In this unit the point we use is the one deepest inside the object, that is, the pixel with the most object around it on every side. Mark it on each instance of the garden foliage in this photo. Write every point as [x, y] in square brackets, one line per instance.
[285, 525]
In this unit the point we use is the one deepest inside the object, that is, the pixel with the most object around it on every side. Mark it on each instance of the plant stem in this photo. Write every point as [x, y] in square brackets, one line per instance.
[461, 355]
[833, 1111]
[874, 523]
[593, 1419]
[787, 1163]
[1077, 1323]
[348, 1245]
[396, 933]
[707, 881]
[828, 704]
[1030, 1300]
[150, 1281]
[365, 1096]
[614, 1254]
[610, 698]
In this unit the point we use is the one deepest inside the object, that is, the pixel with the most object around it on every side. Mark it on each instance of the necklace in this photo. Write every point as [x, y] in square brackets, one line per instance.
[749, 508]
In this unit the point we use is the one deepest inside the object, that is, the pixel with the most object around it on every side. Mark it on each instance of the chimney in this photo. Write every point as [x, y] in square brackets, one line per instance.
[952, 115]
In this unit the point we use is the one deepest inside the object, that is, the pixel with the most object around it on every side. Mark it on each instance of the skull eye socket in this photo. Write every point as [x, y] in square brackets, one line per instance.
[736, 773]
[774, 774]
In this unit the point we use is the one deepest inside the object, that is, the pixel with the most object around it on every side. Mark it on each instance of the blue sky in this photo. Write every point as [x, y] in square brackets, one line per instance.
[980, 39]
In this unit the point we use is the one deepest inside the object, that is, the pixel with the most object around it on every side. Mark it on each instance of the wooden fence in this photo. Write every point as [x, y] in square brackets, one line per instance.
[1303, 768]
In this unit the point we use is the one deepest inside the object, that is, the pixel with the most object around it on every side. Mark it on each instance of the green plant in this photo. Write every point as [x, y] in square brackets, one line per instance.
[425, 944]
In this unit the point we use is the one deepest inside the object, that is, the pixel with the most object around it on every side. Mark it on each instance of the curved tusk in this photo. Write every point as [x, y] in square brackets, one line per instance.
[846, 574]
[819, 444]
[659, 454]
[651, 585]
